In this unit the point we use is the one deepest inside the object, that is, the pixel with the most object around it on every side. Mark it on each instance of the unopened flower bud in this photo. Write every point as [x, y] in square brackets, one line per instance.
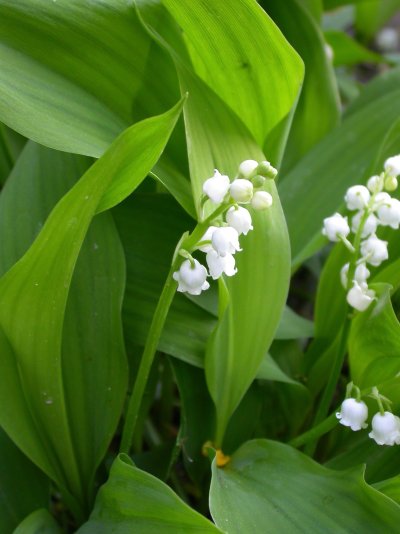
[360, 297]
[220, 264]
[261, 200]
[374, 250]
[240, 219]
[370, 225]
[241, 190]
[258, 181]
[361, 274]
[336, 226]
[353, 413]
[266, 169]
[225, 240]
[247, 168]
[357, 197]
[375, 184]
[392, 166]
[216, 187]
[391, 183]
[385, 429]
[191, 278]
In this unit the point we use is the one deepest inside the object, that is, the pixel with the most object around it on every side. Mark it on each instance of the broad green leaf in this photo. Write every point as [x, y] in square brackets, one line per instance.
[314, 188]
[39, 522]
[347, 51]
[23, 488]
[34, 303]
[390, 487]
[241, 339]
[374, 348]
[216, 30]
[272, 488]
[318, 110]
[83, 101]
[293, 326]
[135, 501]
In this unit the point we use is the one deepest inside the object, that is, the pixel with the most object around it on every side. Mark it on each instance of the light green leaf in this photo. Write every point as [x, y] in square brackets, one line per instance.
[390, 487]
[39, 522]
[82, 102]
[371, 15]
[135, 501]
[23, 488]
[34, 303]
[271, 488]
[293, 326]
[248, 63]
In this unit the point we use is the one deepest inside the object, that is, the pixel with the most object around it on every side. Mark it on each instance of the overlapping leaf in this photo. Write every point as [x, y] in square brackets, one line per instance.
[34, 312]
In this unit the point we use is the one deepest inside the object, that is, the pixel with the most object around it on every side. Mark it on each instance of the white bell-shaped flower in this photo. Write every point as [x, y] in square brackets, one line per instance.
[381, 199]
[217, 265]
[359, 296]
[370, 225]
[357, 197]
[225, 240]
[240, 219]
[191, 278]
[336, 226]
[216, 187]
[241, 190]
[385, 429]
[389, 213]
[375, 184]
[374, 250]
[207, 237]
[353, 413]
[248, 168]
[392, 165]
[261, 200]
[361, 274]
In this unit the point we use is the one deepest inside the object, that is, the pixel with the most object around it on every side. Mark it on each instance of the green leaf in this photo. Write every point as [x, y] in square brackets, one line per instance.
[247, 63]
[241, 339]
[135, 501]
[293, 326]
[49, 427]
[39, 522]
[318, 109]
[23, 488]
[314, 188]
[347, 51]
[371, 15]
[272, 488]
[374, 348]
[390, 487]
[83, 101]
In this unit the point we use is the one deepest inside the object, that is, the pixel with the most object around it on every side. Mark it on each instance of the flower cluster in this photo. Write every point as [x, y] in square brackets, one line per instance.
[385, 425]
[373, 207]
[219, 239]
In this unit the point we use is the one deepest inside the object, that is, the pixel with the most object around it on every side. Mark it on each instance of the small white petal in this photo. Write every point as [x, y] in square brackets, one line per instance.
[370, 225]
[225, 240]
[374, 250]
[375, 184]
[191, 279]
[392, 165]
[240, 219]
[357, 197]
[344, 271]
[241, 190]
[261, 200]
[385, 429]
[360, 297]
[247, 168]
[216, 187]
[335, 226]
[207, 237]
[218, 265]
[353, 414]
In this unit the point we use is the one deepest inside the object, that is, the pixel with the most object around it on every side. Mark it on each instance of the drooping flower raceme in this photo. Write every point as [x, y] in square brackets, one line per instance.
[373, 207]
[220, 239]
